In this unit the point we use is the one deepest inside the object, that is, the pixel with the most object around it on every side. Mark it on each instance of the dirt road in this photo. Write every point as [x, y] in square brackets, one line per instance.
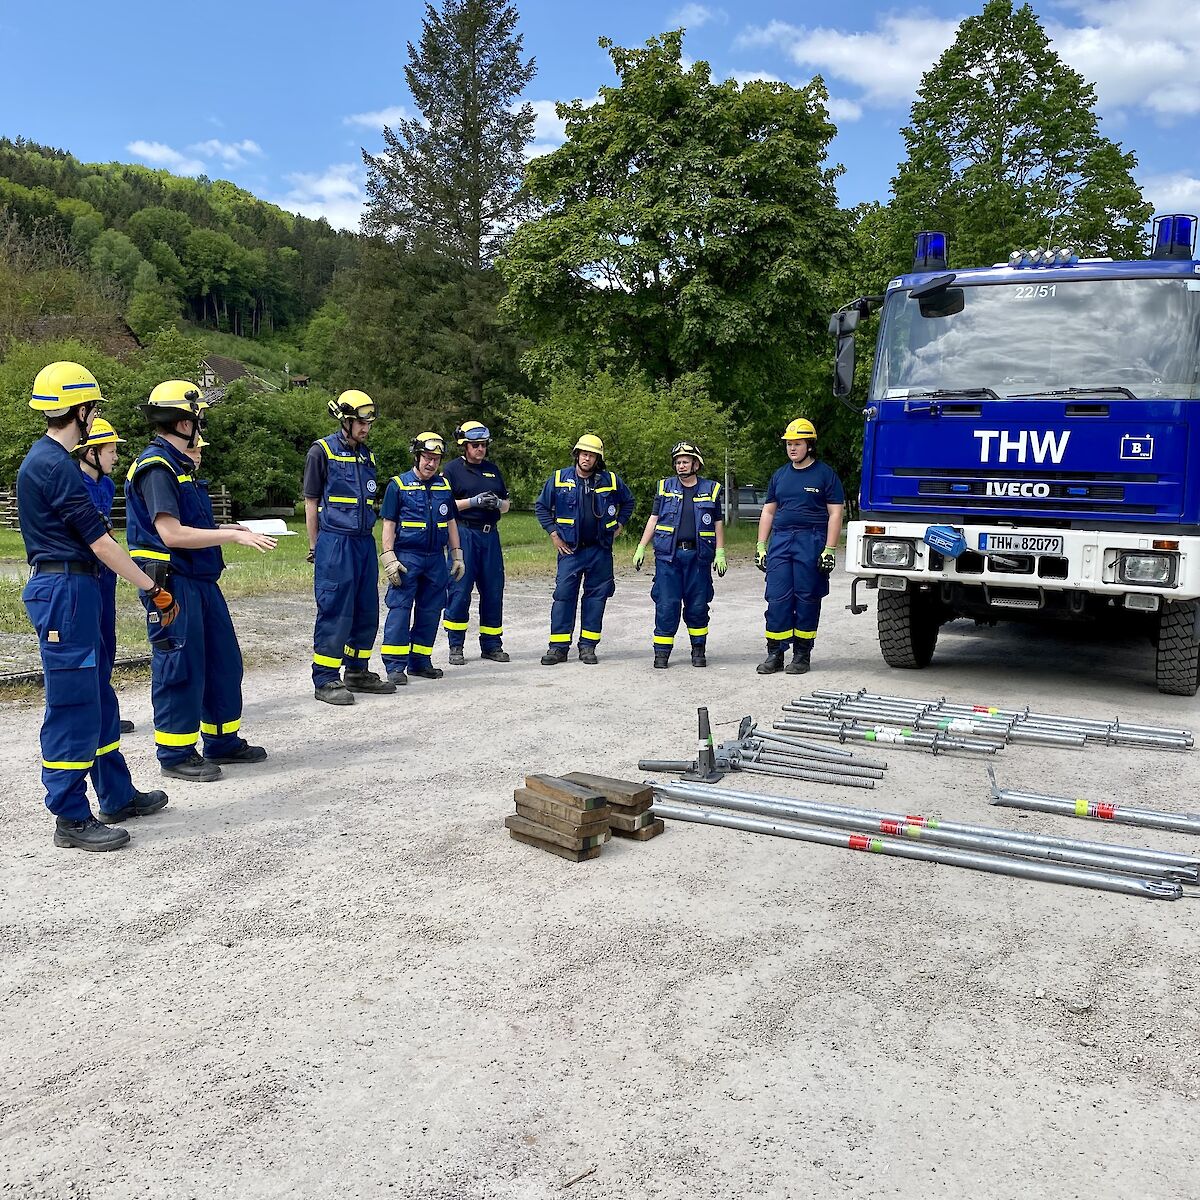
[336, 976]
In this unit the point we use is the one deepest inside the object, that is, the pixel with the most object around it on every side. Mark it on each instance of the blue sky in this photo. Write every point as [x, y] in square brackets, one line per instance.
[280, 97]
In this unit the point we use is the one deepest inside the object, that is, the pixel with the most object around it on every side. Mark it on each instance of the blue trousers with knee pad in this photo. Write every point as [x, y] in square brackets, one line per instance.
[484, 562]
[795, 587]
[110, 774]
[682, 584]
[414, 609]
[196, 680]
[81, 722]
[346, 586]
[590, 568]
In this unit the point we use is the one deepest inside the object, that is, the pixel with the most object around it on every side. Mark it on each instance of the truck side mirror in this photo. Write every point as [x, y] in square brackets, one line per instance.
[842, 325]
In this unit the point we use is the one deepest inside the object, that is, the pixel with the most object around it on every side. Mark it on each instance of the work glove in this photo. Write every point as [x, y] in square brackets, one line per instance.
[722, 565]
[639, 557]
[760, 557]
[161, 610]
[312, 554]
[458, 568]
[393, 568]
[486, 500]
[827, 561]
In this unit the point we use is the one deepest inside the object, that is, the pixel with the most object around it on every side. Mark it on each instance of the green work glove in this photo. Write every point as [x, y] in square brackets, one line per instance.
[828, 560]
[639, 557]
[722, 565]
[760, 557]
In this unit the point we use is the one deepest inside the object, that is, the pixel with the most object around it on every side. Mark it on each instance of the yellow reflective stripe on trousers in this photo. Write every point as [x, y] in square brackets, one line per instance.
[491, 630]
[67, 766]
[663, 641]
[350, 652]
[157, 555]
[698, 632]
[109, 748]
[324, 660]
[421, 649]
[394, 649]
[560, 637]
[804, 633]
[455, 625]
[176, 739]
[222, 727]
[587, 633]
[780, 637]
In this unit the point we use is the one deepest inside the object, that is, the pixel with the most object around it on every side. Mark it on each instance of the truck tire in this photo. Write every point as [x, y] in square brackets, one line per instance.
[1177, 661]
[908, 628]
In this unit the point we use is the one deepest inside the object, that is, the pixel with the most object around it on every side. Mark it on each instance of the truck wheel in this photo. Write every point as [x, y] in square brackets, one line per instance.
[1177, 662]
[908, 628]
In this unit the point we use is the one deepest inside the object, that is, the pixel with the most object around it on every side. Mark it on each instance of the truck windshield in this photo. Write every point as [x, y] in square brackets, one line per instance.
[1033, 336]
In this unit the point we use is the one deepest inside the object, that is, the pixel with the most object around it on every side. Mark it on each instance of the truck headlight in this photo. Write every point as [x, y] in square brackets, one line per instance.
[891, 552]
[1150, 570]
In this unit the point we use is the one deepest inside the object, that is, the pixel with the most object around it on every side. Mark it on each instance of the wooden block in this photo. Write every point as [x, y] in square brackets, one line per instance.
[632, 810]
[599, 829]
[619, 792]
[562, 812]
[630, 824]
[550, 847]
[645, 833]
[564, 792]
[535, 829]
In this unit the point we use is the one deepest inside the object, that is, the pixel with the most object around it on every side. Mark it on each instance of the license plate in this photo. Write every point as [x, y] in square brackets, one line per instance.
[1020, 543]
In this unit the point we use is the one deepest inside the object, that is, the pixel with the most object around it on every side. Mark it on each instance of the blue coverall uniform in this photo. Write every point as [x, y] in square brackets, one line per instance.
[684, 550]
[483, 558]
[584, 511]
[795, 583]
[345, 570]
[195, 673]
[422, 513]
[81, 729]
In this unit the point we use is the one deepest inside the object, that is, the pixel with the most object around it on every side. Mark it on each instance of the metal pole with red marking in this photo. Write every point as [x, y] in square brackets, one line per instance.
[996, 864]
[1096, 810]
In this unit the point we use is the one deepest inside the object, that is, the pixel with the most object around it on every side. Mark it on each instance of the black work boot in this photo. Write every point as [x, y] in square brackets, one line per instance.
[141, 804]
[193, 768]
[127, 726]
[556, 654]
[399, 678]
[496, 655]
[457, 657]
[245, 753]
[772, 663]
[799, 664]
[333, 693]
[429, 671]
[587, 654]
[698, 659]
[88, 835]
[661, 660]
[368, 681]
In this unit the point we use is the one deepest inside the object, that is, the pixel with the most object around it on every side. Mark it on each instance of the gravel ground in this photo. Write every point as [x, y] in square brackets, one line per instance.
[334, 975]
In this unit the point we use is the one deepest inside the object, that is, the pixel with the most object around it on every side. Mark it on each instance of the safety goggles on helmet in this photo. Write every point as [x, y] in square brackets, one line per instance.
[472, 431]
[428, 443]
[690, 450]
[353, 406]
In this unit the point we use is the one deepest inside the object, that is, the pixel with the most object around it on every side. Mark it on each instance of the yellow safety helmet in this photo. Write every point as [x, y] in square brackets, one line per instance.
[591, 443]
[801, 429]
[472, 431]
[200, 442]
[688, 448]
[61, 386]
[350, 406]
[175, 396]
[102, 434]
[427, 443]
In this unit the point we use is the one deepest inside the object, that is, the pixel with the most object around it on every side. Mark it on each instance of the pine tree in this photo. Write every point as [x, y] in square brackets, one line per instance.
[1004, 151]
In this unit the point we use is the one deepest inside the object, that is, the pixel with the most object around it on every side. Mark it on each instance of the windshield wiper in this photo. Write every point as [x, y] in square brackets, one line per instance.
[1077, 391]
[953, 394]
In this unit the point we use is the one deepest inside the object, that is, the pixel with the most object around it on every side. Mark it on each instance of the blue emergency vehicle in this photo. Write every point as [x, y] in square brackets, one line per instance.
[1031, 446]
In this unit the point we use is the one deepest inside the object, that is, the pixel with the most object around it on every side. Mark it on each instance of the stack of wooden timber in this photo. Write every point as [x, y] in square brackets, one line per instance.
[559, 816]
[630, 805]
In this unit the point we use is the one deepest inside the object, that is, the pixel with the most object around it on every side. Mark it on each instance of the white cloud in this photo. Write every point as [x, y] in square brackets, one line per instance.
[841, 109]
[741, 78]
[391, 117]
[231, 153]
[549, 129]
[335, 194]
[1171, 193]
[694, 16]
[159, 154]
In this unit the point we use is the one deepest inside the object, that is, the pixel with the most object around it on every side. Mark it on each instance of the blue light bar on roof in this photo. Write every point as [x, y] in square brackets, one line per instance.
[929, 251]
[1174, 236]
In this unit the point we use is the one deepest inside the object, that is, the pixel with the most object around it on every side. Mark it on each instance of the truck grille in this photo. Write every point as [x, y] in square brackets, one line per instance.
[1077, 492]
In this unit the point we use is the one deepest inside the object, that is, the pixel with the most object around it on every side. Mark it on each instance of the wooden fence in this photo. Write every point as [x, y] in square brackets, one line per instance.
[222, 503]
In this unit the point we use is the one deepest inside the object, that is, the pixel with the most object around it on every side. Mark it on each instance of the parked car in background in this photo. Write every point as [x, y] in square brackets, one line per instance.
[750, 501]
